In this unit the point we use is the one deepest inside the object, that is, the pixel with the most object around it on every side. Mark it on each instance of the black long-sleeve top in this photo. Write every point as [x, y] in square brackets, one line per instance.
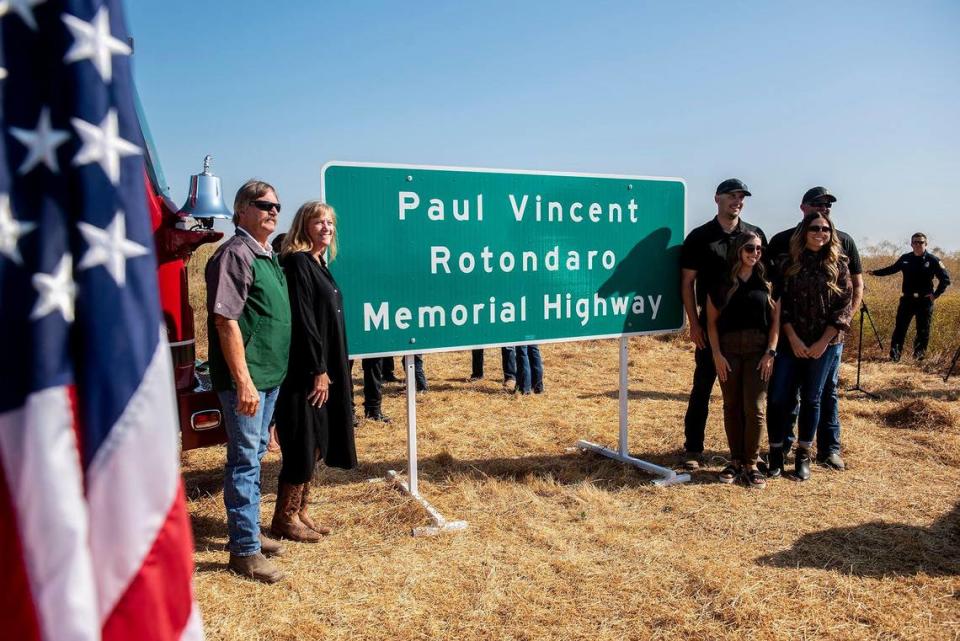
[810, 306]
[918, 274]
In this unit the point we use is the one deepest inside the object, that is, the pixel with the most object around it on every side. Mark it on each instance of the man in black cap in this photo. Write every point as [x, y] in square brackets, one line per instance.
[703, 260]
[783, 397]
[919, 268]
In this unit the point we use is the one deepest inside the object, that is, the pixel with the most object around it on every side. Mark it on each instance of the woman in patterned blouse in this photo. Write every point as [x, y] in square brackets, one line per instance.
[816, 309]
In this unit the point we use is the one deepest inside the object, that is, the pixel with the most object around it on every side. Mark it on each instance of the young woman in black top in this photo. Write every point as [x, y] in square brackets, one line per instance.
[743, 322]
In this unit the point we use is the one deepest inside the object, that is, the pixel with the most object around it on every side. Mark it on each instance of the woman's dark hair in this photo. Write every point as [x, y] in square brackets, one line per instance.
[830, 254]
[733, 264]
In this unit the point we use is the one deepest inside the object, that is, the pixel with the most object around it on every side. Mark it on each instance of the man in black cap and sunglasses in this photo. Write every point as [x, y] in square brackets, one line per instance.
[783, 398]
[703, 260]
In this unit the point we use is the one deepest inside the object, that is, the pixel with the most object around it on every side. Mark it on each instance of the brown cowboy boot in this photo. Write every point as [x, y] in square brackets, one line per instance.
[286, 524]
[256, 567]
[305, 517]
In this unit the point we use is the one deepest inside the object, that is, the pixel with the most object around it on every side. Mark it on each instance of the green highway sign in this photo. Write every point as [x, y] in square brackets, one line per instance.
[443, 258]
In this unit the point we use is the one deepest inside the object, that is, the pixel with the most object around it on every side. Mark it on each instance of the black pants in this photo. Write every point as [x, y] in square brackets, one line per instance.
[476, 362]
[695, 420]
[922, 309]
[374, 374]
[372, 384]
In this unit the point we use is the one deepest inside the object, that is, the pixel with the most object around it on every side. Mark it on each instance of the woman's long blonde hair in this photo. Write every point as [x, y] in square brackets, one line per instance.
[298, 240]
[733, 262]
[830, 254]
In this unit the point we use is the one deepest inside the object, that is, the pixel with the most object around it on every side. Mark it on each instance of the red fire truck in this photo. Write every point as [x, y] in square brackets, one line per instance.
[178, 232]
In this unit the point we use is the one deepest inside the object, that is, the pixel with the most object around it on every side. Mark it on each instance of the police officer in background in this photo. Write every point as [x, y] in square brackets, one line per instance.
[919, 268]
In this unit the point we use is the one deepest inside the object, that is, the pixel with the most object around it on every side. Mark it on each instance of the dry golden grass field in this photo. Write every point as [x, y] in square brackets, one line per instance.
[566, 545]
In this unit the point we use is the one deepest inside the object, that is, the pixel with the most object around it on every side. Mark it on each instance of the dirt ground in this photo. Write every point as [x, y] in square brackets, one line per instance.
[567, 545]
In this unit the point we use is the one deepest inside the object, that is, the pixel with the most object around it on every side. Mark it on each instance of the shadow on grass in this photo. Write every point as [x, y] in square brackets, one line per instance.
[566, 469]
[896, 393]
[643, 394]
[878, 549]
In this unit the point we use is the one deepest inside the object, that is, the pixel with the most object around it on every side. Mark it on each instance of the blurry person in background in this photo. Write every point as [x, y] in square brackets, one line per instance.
[919, 268]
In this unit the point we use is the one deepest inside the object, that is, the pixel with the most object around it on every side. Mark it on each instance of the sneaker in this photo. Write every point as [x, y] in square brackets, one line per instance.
[802, 464]
[894, 356]
[729, 474]
[832, 461]
[256, 567]
[510, 386]
[919, 356]
[691, 461]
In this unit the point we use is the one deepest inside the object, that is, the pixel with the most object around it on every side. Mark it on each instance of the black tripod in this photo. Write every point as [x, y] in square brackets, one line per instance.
[865, 312]
[953, 364]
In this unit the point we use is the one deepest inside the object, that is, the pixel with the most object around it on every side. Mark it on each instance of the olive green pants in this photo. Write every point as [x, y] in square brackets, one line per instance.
[744, 393]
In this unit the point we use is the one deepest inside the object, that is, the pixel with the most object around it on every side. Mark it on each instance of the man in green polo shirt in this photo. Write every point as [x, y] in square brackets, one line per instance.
[249, 329]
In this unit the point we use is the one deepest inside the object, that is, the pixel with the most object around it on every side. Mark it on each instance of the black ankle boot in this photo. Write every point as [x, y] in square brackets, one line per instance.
[775, 466]
[803, 464]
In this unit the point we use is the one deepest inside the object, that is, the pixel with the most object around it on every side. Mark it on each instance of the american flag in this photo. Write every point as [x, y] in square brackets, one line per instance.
[94, 537]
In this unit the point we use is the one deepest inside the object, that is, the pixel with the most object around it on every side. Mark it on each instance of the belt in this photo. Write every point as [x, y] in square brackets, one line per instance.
[913, 295]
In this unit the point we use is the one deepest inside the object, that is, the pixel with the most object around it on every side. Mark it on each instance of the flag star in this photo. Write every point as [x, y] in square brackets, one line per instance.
[24, 9]
[11, 230]
[103, 144]
[93, 40]
[57, 291]
[110, 247]
[41, 142]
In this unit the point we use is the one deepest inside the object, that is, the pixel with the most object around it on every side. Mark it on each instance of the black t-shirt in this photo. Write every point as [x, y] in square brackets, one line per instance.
[778, 253]
[748, 308]
[705, 251]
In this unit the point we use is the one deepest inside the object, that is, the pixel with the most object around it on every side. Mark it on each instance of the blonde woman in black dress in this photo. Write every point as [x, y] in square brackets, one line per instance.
[315, 406]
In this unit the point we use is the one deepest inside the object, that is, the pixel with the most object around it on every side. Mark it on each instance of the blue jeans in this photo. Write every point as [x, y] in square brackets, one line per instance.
[508, 357]
[529, 369]
[783, 406]
[247, 438]
[811, 377]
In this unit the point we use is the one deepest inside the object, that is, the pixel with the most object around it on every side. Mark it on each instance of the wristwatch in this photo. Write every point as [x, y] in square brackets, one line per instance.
[772, 352]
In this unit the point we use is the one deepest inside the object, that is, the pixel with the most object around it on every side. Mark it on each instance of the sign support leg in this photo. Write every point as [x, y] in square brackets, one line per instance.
[665, 476]
[439, 524]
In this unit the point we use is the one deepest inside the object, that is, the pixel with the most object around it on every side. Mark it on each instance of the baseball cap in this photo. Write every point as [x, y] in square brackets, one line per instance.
[733, 184]
[816, 193]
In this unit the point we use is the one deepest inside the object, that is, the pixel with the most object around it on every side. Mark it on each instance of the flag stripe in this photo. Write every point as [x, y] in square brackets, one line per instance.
[158, 604]
[16, 600]
[40, 460]
[135, 473]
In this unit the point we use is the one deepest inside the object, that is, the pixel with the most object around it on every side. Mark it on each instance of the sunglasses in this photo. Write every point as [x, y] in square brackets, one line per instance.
[918, 242]
[822, 205]
[265, 205]
[752, 249]
[812, 229]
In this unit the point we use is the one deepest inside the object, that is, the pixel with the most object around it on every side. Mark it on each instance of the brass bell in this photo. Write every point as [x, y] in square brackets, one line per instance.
[205, 200]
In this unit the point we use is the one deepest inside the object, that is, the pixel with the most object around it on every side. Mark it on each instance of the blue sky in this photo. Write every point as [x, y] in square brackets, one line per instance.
[863, 97]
